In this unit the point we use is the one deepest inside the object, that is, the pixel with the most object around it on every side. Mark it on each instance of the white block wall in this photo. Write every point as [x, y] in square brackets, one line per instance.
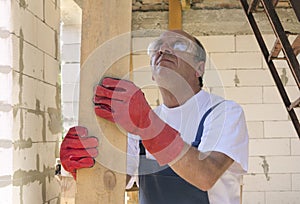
[237, 71]
[30, 110]
[70, 67]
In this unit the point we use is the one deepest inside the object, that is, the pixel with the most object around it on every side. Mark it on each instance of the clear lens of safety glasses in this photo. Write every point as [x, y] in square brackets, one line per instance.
[174, 43]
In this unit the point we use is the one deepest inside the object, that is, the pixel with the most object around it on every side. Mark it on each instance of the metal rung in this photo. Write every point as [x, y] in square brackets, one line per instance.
[253, 5]
[278, 58]
[296, 45]
[277, 48]
[275, 2]
[295, 104]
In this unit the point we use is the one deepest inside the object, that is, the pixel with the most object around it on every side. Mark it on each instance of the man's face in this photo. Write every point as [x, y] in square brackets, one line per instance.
[174, 59]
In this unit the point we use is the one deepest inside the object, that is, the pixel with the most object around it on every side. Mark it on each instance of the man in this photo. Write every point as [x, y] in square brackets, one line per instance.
[194, 147]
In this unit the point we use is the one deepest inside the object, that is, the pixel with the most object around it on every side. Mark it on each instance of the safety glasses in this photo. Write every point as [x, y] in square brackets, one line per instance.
[176, 43]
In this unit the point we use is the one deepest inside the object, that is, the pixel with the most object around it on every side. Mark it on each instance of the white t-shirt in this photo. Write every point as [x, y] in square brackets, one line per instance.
[224, 131]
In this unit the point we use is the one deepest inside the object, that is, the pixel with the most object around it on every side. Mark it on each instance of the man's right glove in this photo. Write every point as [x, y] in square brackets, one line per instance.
[123, 103]
[78, 150]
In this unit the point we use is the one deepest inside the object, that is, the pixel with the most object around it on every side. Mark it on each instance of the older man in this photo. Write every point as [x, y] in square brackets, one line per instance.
[191, 149]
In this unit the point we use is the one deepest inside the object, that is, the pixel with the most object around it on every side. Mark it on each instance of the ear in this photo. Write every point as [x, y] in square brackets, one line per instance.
[151, 69]
[200, 69]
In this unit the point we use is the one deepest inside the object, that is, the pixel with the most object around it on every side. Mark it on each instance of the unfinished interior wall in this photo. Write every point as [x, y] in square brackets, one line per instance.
[237, 71]
[30, 110]
[70, 66]
[70, 59]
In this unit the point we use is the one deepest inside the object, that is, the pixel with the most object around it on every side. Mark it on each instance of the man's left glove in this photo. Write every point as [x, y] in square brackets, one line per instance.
[78, 150]
[122, 102]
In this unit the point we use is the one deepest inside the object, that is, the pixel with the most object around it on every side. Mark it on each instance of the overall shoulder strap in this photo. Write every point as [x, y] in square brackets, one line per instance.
[197, 141]
[142, 148]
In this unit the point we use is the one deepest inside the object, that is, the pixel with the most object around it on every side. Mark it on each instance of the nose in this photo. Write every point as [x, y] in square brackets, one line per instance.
[165, 48]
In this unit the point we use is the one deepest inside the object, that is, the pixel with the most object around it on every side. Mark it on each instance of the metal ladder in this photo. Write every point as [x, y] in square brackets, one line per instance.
[281, 44]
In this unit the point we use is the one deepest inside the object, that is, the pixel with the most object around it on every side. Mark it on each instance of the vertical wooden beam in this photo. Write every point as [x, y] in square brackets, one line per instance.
[175, 15]
[105, 51]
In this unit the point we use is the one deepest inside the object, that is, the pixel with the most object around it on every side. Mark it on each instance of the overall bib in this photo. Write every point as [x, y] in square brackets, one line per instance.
[161, 185]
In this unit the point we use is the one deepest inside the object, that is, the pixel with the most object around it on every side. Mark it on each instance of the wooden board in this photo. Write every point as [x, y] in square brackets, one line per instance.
[175, 15]
[105, 51]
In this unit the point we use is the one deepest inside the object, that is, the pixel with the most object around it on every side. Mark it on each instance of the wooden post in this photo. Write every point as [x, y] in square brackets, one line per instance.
[105, 51]
[175, 15]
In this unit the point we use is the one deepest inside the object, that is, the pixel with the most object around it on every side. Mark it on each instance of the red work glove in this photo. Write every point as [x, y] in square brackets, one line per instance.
[122, 102]
[78, 150]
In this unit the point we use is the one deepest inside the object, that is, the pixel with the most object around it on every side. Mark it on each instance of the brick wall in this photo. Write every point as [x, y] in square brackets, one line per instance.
[30, 101]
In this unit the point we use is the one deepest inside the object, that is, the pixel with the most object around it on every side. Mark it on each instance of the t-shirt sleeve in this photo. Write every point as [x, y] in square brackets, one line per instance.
[225, 131]
[133, 151]
[132, 159]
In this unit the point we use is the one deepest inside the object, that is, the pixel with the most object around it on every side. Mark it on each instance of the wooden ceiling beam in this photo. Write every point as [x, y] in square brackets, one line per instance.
[175, 15]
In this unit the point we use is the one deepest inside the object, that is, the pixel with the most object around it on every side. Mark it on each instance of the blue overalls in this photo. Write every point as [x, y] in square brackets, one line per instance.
[161, 185]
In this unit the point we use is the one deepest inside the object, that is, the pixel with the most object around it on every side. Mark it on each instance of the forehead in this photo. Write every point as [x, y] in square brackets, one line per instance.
[177, 33]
